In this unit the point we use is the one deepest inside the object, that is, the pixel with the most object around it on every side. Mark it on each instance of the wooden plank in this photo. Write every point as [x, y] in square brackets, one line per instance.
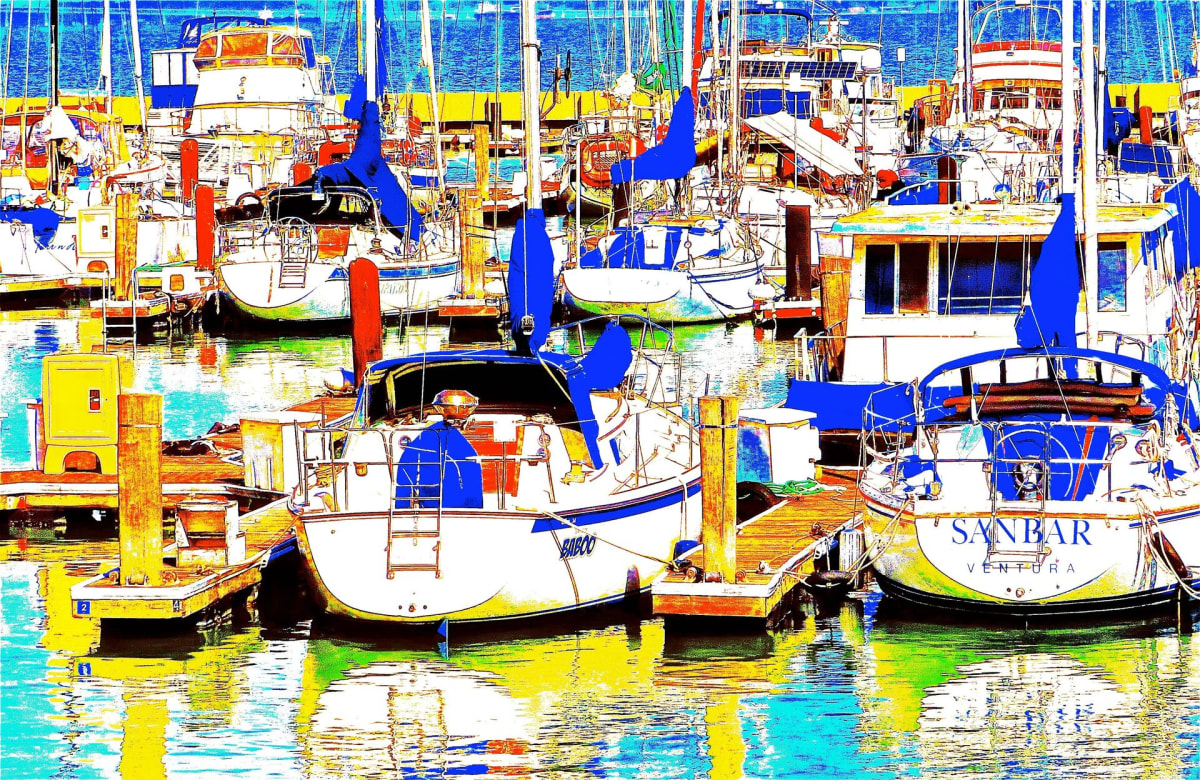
[785, 537]
[139, 487]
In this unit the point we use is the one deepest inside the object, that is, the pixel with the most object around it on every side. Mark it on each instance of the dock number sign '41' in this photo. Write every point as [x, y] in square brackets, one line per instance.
[577, 547]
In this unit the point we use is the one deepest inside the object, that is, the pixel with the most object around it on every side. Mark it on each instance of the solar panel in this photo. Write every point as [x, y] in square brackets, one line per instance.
[813, 71]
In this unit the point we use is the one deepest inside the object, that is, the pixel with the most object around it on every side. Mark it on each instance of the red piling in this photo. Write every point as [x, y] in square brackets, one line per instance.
[189, 167]
[366, 318]
[206, 218]
[301, 172]
[1146, 124]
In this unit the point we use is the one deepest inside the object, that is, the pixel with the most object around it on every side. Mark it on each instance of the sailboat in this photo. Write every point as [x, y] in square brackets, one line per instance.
[486, 485]
[296, 270]
[62, 167]
[1045, 479]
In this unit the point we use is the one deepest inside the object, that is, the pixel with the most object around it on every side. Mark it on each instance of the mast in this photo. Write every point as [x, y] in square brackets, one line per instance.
[714, 94]
[427, 55]
[968, 69]
[136, 40]
[106, 57]
[1087, 166]
[627, 36]
[960, 57]
[685, 56]
[531, 83]
[735, 94]
[697, 47]
[1102, 68]
[371, 50]
[52, 100]
[655, 49]
[1067, 184]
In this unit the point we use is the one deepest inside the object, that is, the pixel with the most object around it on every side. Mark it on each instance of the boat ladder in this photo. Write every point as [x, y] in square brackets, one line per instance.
[297, 247]
[414, 540]
[1020, 537]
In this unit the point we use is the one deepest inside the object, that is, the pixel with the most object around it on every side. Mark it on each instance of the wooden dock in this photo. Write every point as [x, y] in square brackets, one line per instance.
[21, 287]
[187, 592]
[207, 475]
[785, 538]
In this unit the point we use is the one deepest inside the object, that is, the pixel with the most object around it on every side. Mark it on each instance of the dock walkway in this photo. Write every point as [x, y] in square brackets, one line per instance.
[785, 537]
[186, 592]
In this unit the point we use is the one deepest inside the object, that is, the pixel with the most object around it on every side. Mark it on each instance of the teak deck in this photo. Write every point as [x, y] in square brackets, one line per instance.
[183, 477]
[186, 592]
[784, 536]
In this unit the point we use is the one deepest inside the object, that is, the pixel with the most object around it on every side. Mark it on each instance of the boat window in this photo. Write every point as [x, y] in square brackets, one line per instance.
[880, 290]
[1049, 97]
[887, 263]
[1113, 271]
[982, 277]
[914, 278]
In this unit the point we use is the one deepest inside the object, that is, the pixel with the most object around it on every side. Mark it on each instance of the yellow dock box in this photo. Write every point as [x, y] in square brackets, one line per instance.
[97, 237]
[79, 407]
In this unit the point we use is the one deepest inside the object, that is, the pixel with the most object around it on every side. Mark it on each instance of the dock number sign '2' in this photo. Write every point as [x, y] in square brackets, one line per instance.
[577, 547]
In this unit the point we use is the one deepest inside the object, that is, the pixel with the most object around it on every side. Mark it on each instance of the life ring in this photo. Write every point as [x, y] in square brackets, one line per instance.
[660, 134]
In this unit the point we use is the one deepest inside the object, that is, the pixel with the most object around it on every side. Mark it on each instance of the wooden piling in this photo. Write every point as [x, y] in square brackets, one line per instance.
[947, 173]
[718, 476]
[798, 247]
[474, 247]
[206, 219]
[189, 167]
[482, 159]
[366, 318]
[125, 259]
[139, 487]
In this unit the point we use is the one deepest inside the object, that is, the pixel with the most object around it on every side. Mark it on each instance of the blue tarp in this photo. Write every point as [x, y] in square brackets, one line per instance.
[366, 168]
[671, 159]
[758, 102]
[1184, 242]
[1048, 319]
[628, 250]
[438, 463]
[839, 406]
[531, 280]
[1118, 124]
[1147, 158]
[43, 221]
[602, 368]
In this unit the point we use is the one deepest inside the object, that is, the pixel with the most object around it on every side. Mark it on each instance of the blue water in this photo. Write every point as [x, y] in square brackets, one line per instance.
[466, 47]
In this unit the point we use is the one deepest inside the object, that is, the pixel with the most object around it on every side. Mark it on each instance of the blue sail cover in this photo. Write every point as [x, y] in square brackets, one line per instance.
[1048, 318]
[602, 368]
[356, 101]
[366, 168]
[1184, 241]
[1118, 124]
[439, 463]
[674, 157]
[531, 280]
[43, 221]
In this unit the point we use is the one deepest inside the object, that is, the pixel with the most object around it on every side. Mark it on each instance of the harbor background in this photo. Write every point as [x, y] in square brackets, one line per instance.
[855, 693]
[1146, 40]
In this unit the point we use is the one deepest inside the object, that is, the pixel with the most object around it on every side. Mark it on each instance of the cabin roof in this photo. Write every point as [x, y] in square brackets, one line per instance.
[990, 219]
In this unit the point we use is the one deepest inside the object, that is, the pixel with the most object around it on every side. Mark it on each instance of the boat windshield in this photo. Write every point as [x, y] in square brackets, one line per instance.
[1023, 21]
[333, 206]
[404, 394]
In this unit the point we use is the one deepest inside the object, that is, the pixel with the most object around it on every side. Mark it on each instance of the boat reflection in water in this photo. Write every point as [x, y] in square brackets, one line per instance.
[857, 693]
